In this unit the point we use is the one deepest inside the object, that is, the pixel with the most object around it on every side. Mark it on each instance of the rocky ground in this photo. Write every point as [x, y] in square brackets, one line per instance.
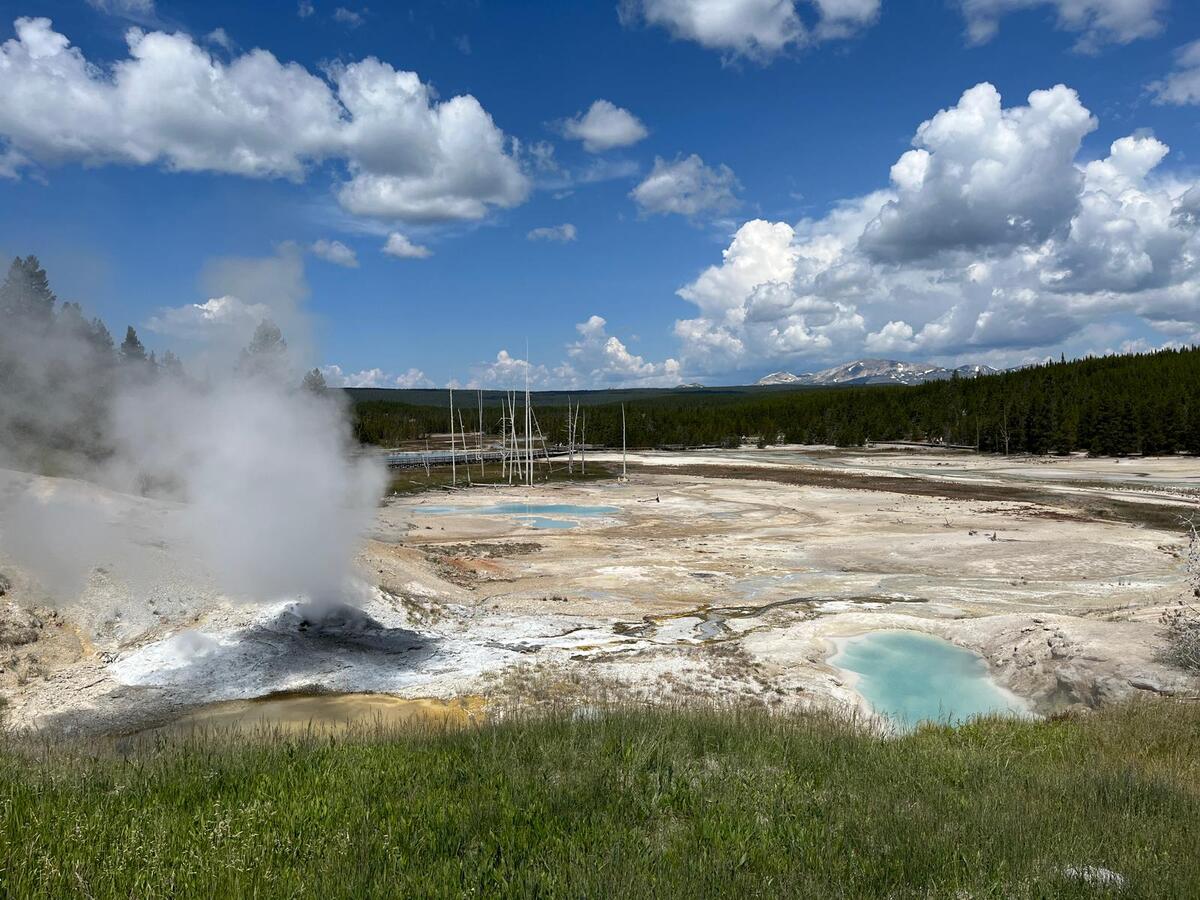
[720, 576]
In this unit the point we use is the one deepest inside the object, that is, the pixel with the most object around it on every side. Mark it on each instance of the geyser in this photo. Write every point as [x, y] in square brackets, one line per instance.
[259, 490]
[275, 496]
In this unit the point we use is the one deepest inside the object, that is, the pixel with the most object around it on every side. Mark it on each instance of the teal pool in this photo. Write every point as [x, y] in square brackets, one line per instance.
[911, 677]
[535, 515]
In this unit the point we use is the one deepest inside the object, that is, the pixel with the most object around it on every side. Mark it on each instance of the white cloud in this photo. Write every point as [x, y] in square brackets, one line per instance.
[508, 372]
[710, 346]
[755, 29]
[243, 291]
[541, 154]
[894, 337]
[844, 18]
[599, 358]
[402, 248]
[221, 38]
[1181, 87]
[982, 176]
[200, 321]
[413, 378]
[334, 252]
[347, 17]
[560, 233]
[761, 253]
[170, 103]
[595, 359]
[134, 10]
[1098, 22]
[375, 378]
[604, 126]
[686, 187]
[992, 242]
[304, 9]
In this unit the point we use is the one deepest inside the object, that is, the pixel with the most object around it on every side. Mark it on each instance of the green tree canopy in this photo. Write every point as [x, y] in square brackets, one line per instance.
[26, 293]
[266, 353]
[132, 350]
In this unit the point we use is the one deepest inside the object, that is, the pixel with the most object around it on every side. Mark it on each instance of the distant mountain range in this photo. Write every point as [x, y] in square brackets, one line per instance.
[877, 371]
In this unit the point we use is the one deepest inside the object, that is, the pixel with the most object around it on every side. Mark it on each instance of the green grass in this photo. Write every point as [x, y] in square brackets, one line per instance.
[630, 803]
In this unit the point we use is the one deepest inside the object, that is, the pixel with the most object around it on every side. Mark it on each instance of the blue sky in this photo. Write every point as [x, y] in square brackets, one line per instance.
[732, 204]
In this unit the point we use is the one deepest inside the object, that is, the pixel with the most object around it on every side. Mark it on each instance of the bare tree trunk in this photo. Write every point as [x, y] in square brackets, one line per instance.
[481, 472]
[466, 459]
[624, 472]
[453, 459]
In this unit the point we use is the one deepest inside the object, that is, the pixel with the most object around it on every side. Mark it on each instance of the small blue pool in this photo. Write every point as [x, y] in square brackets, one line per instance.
[535, 515]
[911, 677]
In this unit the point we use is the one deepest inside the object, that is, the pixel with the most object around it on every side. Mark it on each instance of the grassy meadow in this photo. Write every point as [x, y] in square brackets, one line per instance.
[626, 803]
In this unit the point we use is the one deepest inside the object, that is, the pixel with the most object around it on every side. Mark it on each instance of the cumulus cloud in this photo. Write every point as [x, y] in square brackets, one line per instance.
[561, 233]
[754, 29]
[993, 242]
[407, 155]
[402, 248]
[1181, 87]
[198, 321]
[243, 291]
[686, 187]
[604, 126]
[598, 358]
[334, 252]
[508, 371]
[595, 359]
[375, 378]
[983, 176]
[1098, 22]
[894, 337]
[348, 17]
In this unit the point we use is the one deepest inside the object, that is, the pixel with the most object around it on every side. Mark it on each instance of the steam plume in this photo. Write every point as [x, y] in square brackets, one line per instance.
[272, 495]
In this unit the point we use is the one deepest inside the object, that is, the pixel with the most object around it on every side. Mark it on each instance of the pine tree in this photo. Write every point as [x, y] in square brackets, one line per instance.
[71, 321]
[172, 365]
[314, 381]
[132, 350]
[25, 293]
[267, 352]
[100, 338]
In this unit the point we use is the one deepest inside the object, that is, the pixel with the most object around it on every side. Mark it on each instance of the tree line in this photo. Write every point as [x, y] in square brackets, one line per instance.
[60, 371]
[1145, 403]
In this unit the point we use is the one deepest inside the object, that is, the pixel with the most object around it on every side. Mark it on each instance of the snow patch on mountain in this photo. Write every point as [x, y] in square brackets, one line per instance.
[877, 371]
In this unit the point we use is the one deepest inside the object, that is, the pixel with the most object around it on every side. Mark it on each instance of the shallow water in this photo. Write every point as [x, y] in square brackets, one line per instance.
[535, 515]
[911, 677]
